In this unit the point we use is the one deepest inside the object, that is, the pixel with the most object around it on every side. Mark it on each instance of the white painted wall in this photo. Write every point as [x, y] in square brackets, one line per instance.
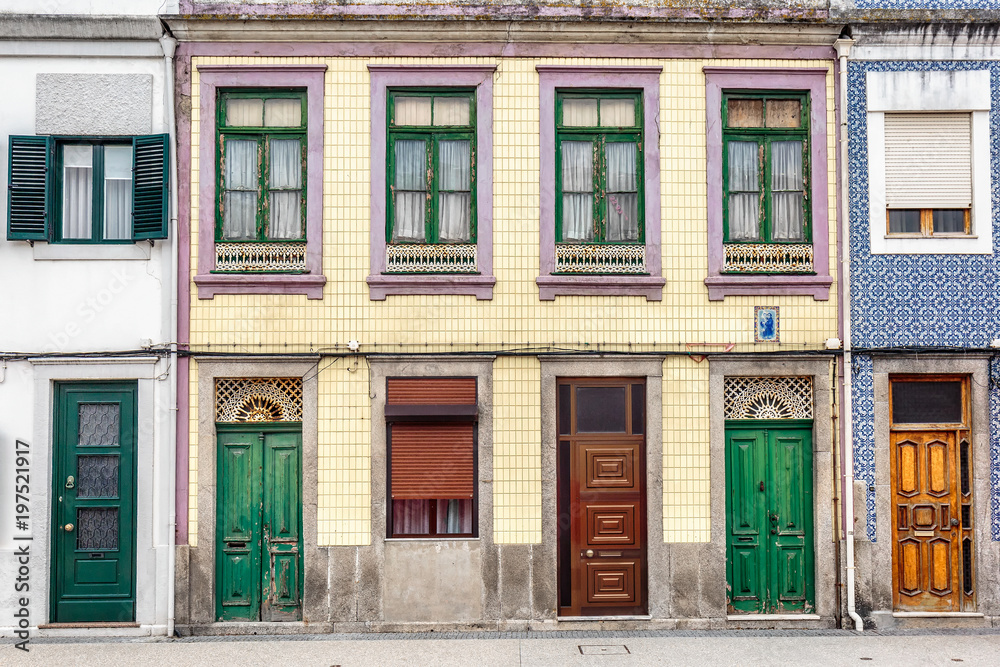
[64, 299]
[89, 7]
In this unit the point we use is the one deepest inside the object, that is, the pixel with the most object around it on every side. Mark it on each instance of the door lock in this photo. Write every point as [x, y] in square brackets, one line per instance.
[68, 528]
[69, 482]
[589, 553]
[954, 522]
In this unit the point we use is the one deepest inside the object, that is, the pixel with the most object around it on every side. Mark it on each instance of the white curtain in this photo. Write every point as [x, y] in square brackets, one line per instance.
[413, 111]
[285, 174]
[617, 113]
[411, 517]
[239, 218]
[744, 187]
[78, 191]
[117, 192]
[578, 187]
[454, 516]
[283, 112]
[787, 191]
[454, 179]
[451, 111]
[410, 193]
[623, 197]
[242, 112]
[579, 112]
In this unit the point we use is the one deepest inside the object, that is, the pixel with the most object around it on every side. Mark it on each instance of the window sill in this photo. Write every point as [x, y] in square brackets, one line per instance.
[212, 284]
[551, 286]
[381, 286]
[721, 286]
[95, 251]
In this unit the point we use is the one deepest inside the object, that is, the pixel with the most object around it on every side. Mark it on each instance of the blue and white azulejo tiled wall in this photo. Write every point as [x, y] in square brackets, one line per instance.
[927, 4]
[917, 300]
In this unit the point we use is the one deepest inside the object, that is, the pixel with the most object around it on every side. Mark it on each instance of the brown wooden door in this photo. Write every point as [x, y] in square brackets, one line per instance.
[931, 547]
[602, 497]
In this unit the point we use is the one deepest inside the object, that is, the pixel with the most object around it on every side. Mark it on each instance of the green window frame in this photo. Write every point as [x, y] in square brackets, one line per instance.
[766, 119]
[132, 187]
[265, 130]
[607, 206]
[436, 133]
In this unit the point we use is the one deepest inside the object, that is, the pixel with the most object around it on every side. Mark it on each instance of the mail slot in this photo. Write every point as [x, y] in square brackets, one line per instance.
[236, 545]
[97, 555]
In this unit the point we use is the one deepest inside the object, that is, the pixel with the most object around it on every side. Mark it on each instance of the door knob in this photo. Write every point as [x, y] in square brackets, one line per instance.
[68, 528]
[589, 553]
[954, 522]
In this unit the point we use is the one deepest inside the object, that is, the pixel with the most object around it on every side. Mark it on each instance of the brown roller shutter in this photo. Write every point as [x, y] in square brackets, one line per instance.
[431, 391]
[432, 461]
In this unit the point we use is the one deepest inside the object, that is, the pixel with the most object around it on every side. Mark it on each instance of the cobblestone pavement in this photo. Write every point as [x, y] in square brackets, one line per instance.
[956, 648]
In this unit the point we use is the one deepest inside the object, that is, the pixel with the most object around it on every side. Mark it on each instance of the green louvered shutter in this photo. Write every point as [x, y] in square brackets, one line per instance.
[28, 170]
[150, 187]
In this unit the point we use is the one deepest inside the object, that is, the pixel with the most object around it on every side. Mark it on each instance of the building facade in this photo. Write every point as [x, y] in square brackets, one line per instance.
[86, 376]
[922, 112]
[507, 317]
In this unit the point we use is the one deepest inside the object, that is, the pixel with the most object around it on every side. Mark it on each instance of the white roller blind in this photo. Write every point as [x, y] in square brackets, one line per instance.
[928, 160]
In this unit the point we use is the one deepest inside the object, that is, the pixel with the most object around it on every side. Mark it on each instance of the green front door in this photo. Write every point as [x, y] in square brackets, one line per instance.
[93, 509]
[259, 546]
[769, 546]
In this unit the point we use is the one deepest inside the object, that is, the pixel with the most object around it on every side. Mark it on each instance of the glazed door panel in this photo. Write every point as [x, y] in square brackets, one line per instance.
[769, 519]
[602, 500]
[928, 523]
[94, 470]
[259, 526]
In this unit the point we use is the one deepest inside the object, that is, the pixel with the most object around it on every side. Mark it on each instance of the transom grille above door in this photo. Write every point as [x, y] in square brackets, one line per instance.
[769, 398]
[241, 400]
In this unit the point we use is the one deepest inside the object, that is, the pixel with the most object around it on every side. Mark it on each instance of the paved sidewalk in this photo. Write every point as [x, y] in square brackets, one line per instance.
[586, 649]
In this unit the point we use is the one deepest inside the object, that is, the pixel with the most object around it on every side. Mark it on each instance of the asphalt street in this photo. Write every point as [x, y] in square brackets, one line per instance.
[598, 649]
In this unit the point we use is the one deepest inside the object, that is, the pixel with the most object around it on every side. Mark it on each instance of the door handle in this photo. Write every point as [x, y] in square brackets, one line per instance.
[954, 522]
[68, 527]
[589, 553]
[70, 482]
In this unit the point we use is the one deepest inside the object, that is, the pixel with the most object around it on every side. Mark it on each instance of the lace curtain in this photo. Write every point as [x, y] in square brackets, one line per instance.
[410, 192]
[578, 186]
[239, 215]
[622, 192]
[285, 174]
[787, 191]
[744, 184]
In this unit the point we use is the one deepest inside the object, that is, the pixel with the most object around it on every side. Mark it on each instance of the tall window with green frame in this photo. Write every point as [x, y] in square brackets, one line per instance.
[766, 168]
[599, 167]
[262, 163]
[430, 166]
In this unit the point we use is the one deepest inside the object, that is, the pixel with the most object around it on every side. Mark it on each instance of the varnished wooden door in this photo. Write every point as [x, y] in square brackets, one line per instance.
[602, 497]
[932, 522]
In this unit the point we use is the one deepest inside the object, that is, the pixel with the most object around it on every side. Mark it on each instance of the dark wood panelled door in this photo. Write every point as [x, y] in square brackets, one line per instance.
[930, 460]
[259, 548]
[769, 544]
[94, 470]
[602, 497]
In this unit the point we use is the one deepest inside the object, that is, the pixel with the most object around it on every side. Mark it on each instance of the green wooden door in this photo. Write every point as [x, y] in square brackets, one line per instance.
[93, 509]
[259, 547]
[769, 564]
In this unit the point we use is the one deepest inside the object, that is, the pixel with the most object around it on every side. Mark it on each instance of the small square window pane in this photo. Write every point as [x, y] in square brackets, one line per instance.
[623, 216]
[949, 221]
[411, 517]
[78, 192]
[579, 112]
[904, 221]
[239, 216]
[617, 113]
[455, 212]
[408, 225]
[784, 113]
[745, 113]
[413, 111]
[282, 112]
[286, 215]
[454, 516]
[451, 111]
[600, 409]
[411, 164]
[244, 112]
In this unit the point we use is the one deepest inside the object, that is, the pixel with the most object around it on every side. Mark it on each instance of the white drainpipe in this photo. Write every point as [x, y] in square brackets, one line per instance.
[169, 45]
[843, 47]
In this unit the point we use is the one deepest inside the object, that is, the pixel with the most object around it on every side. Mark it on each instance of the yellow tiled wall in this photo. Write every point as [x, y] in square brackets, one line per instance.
[514, 318]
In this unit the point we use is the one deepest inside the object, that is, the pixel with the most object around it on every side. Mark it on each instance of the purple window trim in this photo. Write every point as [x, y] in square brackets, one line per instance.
[480, 77]
[646, 79]
[514, 50]
[812, 79]
[213, 77]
